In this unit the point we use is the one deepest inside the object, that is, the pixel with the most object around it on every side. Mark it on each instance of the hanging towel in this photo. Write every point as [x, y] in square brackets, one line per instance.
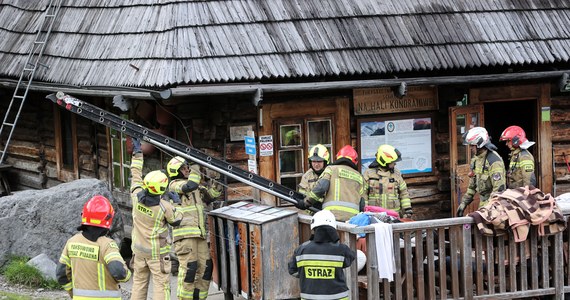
[385, 251]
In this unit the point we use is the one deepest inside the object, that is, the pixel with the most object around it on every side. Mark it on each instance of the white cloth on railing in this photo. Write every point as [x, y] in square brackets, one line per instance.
[385, 250]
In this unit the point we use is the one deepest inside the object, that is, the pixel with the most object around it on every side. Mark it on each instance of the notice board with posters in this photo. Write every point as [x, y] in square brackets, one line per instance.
[412, 136]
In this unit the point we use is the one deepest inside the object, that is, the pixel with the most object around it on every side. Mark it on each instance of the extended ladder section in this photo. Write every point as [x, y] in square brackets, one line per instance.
[27, 74]
[130, 128]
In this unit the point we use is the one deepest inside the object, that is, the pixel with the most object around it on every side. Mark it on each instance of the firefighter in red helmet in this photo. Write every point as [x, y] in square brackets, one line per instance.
[90, 266]
[521, 162]
[340, 188]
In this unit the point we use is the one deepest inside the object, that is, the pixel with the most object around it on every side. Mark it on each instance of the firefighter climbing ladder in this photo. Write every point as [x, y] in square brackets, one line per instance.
[27, 74]
[113, 121]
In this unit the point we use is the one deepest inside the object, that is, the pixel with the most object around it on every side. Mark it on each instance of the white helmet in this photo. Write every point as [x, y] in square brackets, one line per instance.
[477, 136]
[360, 259]
[323, 217]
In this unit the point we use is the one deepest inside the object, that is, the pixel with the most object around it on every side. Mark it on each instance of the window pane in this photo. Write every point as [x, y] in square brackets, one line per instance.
[117, 175]
[116, 145]
[126, 177]
[290, 135]
[474, 120]
[319, 132]
[291, 182]
[461, 149]
[291, 161]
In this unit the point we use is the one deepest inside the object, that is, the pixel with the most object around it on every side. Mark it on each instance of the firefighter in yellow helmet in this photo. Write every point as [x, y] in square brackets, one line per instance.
[151, 216]
[340, 188]
[386, 186]
[319, 158]
[487, 169]
[90, 266]
[190, 238]
[521, 162]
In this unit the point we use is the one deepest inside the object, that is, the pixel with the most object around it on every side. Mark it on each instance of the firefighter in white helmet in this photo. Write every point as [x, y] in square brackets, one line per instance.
[151, 216]
[319, 262]
[386, 186]
[487, 169]
[90, 265]
[190, 237]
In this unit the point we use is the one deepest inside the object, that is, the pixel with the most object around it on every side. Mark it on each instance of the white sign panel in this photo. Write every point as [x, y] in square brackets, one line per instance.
[266, 145]
[252, 166]
[412, 137]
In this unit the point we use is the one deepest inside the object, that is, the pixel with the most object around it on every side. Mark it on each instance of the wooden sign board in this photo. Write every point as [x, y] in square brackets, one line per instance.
[374, 101]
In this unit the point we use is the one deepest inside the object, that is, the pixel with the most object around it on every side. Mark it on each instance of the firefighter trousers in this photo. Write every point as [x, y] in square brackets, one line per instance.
[195, 268]
[160, 272]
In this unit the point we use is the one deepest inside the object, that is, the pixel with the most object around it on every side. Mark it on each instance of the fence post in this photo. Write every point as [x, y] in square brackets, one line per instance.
[558, 268]
[467, 263]
[373, 290]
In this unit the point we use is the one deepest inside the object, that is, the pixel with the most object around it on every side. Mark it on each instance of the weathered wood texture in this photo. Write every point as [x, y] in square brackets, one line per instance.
[224, 41]
[561, 143]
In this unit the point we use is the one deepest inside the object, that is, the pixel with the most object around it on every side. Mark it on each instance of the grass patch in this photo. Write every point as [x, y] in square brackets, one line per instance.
[17, 272]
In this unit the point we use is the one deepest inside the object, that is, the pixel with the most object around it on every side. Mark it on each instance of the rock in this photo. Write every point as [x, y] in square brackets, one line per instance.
[45, 265]
[40, 221]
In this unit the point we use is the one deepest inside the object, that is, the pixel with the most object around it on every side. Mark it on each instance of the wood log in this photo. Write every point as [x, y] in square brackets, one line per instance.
[50, 154]
[23, 149]
[560, 132]
[239, 192]
[421, 180]
[85, 146]
[30, 180]
[559, 151]
[24, 164]
[51, 171]
[236, 152]
[562, 189]
[560, 102]
[560, 115]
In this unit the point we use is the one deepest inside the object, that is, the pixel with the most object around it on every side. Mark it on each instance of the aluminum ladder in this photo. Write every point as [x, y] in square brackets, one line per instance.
[113, 121]
[27, 75]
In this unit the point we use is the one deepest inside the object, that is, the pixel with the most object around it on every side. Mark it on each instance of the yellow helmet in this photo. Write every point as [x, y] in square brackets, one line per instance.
[155, 182]
[174, 165]
[387, 154]
[319, 153]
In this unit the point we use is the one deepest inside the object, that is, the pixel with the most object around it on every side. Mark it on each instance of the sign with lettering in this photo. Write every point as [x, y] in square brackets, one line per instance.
[383, 100]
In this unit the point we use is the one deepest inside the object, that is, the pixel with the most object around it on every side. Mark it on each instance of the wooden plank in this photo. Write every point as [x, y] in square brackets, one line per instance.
[479, 263]
[256, 261]
[534, 271]
[558, 265]
[544, 266]
[398, 280]
[523, 248]
[466, 261]
[233, 258]
[453, 238]
[372, 267]
[418, 265]
[224, 268]
[214, 249]
[501, 263]
[442, 257]
[408, 266]
[545, 141]
[514, 260]
[243, 259]
[430, 256]
[490, 261]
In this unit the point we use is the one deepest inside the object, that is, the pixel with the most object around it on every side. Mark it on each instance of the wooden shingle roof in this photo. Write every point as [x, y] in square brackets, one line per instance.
[161, 43]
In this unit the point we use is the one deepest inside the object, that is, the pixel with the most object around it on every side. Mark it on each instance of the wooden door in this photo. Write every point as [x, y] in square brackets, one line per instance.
[462, 118]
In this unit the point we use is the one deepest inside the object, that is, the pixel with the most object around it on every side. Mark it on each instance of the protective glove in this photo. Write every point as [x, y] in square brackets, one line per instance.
[408, 213]
[461, 208]
[301, 205]
[137, 148]
[173, 197]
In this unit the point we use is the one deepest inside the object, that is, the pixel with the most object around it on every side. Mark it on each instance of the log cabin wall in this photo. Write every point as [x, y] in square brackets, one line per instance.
[560, 118]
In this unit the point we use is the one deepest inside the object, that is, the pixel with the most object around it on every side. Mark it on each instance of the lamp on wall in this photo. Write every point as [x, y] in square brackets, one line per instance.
[400, 90]
[564, 83]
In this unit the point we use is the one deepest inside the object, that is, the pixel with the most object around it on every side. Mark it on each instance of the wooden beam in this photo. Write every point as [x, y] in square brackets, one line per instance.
[545, 170]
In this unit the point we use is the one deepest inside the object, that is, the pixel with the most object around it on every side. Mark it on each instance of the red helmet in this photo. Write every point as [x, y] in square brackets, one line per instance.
[98, 212]
[515, 134]
[348, 152]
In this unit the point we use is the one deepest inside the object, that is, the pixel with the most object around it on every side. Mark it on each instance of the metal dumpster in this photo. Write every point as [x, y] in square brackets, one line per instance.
[250, 245]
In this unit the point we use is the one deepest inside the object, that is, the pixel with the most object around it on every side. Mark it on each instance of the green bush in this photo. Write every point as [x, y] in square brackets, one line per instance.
[17, 272]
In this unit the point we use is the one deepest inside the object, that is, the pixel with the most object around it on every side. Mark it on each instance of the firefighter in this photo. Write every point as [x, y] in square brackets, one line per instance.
[319, 262]
[340, 188]
[521, 161]
[386, 187]
[151, 214]
[190, 239]
[487, 168]
[90, 266]
[319, 158]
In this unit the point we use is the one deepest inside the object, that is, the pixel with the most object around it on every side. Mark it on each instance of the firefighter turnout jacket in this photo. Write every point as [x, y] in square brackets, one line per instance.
[319, 266]
[150, 229]
[93, 269]
[340, 189]
[387, 189]
[487, 176]
[308, 181]
[521, 169]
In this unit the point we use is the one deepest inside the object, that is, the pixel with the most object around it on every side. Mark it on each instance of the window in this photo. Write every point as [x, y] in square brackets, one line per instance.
[296, 138]
[120, 158]
[65, 130]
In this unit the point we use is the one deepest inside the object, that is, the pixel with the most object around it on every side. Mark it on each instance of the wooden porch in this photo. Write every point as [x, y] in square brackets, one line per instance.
[452, 260]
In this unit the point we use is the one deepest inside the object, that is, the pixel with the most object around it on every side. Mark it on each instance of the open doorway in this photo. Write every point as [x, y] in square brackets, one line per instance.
[502, 114]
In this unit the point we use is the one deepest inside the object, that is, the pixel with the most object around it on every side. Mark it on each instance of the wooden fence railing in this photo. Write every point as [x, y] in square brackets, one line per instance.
[450, 259]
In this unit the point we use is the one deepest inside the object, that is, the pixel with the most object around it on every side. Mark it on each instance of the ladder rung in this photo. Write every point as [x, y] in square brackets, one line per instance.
[50, 16]
[28, 69]
[36, 42]
[8, 124]
[19, 97]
